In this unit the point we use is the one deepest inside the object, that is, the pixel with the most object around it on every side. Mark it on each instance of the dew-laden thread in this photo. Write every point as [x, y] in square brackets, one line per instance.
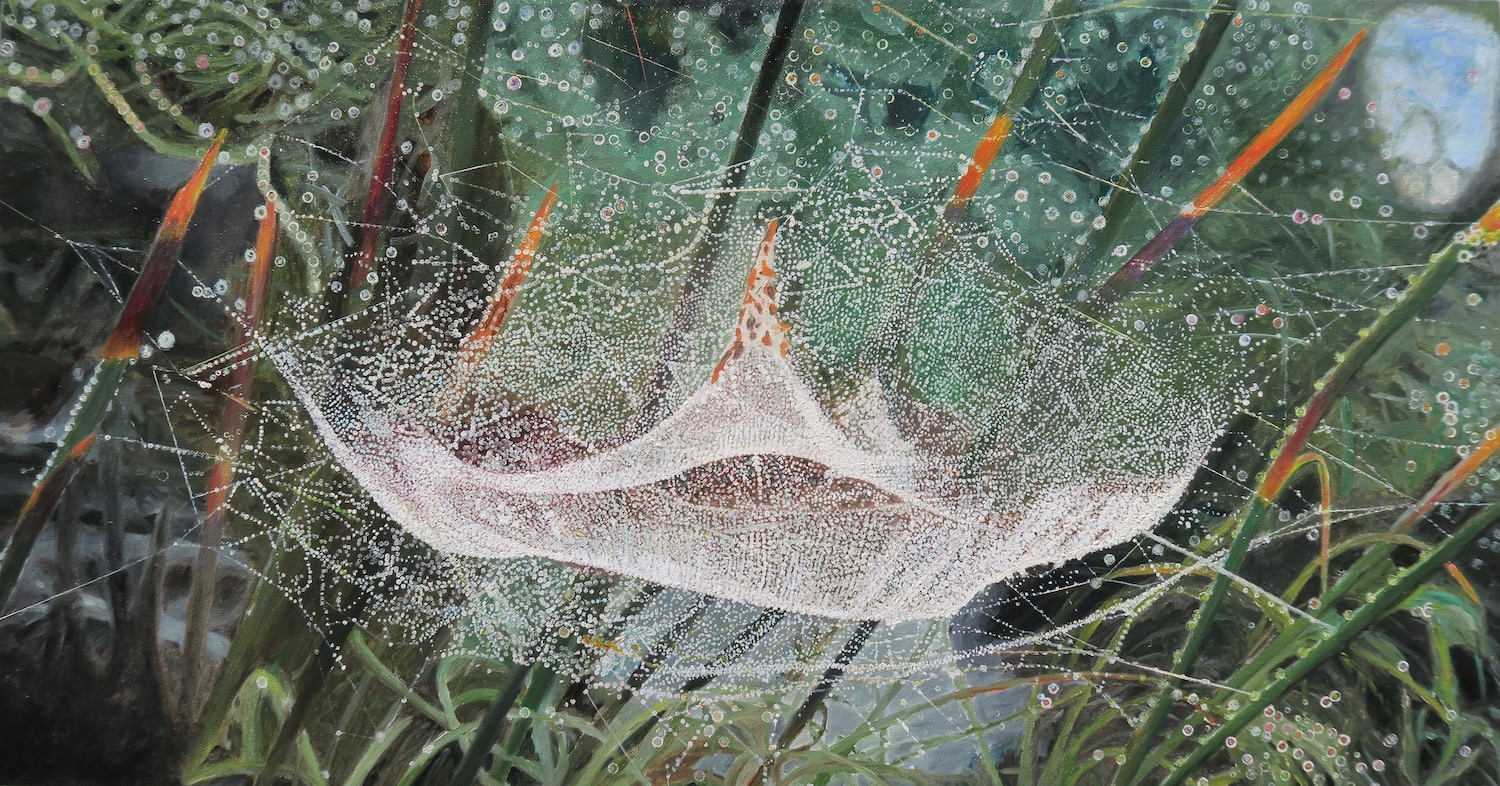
[1259, 147]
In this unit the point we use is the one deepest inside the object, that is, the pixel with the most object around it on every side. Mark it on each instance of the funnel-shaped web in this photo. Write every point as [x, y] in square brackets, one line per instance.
[849, 499]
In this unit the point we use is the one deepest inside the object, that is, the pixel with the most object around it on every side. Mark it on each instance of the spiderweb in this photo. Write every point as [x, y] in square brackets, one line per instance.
[848, 478]
[843, 477]
[896, 412]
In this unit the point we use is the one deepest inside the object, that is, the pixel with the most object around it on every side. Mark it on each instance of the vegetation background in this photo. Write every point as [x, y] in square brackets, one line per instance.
[1350, 641]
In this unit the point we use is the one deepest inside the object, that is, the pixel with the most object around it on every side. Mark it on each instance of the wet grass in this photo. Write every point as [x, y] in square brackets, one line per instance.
[1162, 680]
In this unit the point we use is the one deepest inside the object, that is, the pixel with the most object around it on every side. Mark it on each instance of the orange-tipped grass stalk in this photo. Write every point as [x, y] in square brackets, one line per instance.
[1178, 228]
[895, 324]
[984, 157]
[896, 321]
[34, 513]
[1033, 71]
[1423, 286]
[221, 479]
[475, 346]
[1463, 583]
[1488, 226]
[1450, 481]
[362, 263]
[125, 342]
[1164, 120]
[120, 350]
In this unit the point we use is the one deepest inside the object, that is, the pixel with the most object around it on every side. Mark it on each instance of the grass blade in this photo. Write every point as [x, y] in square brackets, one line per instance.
[490, 728]
[123, 347]
[1385, 601]
[826, 683]
[231, 434]
[1423, 286]
[363, 262]
[1178, 228]
[984, 156]
[1163, 122]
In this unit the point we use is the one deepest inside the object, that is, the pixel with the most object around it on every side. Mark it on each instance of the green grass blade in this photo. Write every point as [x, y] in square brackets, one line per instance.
[1386, 600]
[1423, 286]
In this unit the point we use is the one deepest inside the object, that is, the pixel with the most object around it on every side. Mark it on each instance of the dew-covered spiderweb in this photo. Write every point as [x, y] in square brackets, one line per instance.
[874, 406]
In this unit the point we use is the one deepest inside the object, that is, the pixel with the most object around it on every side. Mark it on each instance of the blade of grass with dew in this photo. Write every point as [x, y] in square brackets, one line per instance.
[311, 680]
[1157, 247]
[1166, 119]
[1027, 83]
[1378, 554]
[362, 262]
[221, 479]
[1487, 231]
[475, 346]
[488, 731]
[1386, 600]
[122, 348]
[542, 694]
[1424, 285]
[984, 156]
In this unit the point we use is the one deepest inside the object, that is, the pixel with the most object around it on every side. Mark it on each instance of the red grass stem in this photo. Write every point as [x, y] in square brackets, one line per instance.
[385, 157]
[125, 342]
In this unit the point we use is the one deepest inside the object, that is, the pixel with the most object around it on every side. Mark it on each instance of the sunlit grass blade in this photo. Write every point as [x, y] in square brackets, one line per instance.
[1424, 285]
[1157, 247]
[221, 479]
[123, 347]
[1464, 584]
[362, 263]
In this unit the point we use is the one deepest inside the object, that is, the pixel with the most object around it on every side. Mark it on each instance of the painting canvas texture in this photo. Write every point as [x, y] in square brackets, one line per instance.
[731, 392]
